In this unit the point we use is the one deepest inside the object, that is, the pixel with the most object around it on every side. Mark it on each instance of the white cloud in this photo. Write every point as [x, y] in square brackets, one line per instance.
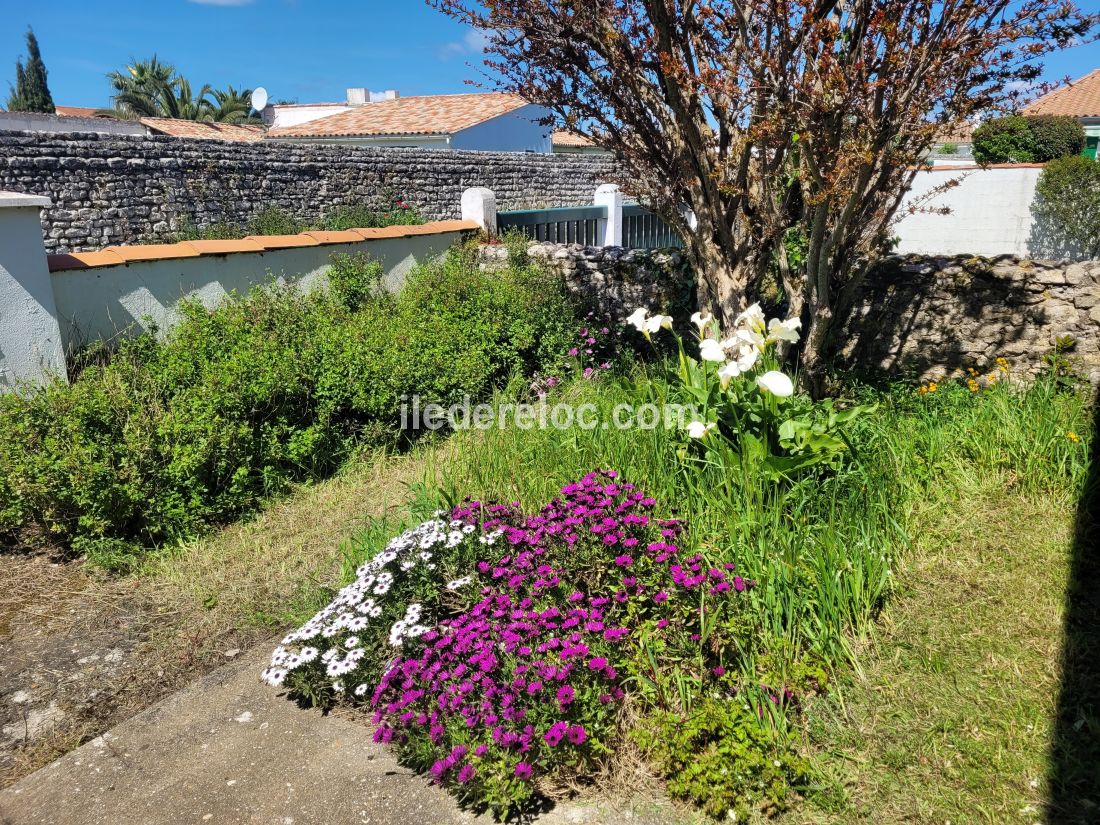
[471, 43]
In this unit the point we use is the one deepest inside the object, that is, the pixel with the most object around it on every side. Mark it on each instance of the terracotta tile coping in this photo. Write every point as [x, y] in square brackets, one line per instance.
[120, 255]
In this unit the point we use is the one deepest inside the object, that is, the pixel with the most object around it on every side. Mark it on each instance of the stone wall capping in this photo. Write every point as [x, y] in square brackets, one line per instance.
[217, 247]
[153, 251]
[339, 236]
[115, 255]
[83, 260]
[282, 241]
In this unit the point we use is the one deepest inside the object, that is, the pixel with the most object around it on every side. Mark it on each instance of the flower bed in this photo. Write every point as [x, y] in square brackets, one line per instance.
[495, 648]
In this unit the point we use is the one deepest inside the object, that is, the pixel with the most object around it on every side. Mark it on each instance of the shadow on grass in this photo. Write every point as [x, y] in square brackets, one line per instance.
[1075, 750]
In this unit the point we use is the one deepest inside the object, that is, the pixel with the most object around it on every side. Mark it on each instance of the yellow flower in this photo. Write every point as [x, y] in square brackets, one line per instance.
[973, 385]
[1002, 362]
[932, 386]
[923, 390]
[1072, 436]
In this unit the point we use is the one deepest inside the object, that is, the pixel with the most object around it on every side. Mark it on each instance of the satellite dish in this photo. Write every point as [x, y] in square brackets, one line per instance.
[259, 98]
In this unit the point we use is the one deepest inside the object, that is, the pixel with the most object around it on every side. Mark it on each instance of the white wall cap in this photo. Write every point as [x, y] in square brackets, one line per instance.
[8, 199]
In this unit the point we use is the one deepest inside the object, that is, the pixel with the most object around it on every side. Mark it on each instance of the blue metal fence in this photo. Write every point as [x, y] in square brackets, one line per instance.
[643, 229]
[580, 224]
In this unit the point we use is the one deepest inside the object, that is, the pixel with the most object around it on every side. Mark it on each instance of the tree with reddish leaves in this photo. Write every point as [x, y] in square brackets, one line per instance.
[762, 128]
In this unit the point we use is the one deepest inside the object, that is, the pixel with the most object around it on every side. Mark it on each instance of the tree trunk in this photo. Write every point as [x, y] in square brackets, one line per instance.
[722, 281]
[814, 363]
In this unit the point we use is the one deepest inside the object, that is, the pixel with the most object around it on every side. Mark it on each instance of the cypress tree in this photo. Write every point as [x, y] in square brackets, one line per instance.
[31, 92]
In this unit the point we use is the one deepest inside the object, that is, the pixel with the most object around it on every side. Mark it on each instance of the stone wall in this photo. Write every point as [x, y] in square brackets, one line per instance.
[612, 280]
[111, 189]
[924, 317]
[918, 318]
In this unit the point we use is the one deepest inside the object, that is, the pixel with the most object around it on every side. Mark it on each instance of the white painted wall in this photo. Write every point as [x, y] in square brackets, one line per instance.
[516, 131]
[990, 213]
[105, 302]
[30, 341]
[292, 114]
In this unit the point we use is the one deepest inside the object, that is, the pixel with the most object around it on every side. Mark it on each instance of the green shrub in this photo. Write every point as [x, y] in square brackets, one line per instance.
[274, 221]
[724, 760]
[1056, 136]
[169, 436]
[1004, 140]
[1035, 139]
[357, 216]
[1067, 208]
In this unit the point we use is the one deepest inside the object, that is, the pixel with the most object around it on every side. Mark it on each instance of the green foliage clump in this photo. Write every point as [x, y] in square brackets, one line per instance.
[31, 92]
[167, 436]
[1056, 136]
[359, 216]
[723, 759]
[274, 221]
[1004, 140]
[1019, 139]
[1068, 205]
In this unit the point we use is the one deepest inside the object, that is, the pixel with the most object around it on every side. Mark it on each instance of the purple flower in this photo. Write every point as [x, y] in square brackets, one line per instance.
[466, 773]
[576, 734]
[660, 597]
[624, 561]
[719, 671]
[565, 695]
[572, 352]
[523, 771]
[599, 663]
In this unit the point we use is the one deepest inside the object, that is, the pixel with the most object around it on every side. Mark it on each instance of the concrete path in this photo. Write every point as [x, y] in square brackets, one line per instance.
[228, 749]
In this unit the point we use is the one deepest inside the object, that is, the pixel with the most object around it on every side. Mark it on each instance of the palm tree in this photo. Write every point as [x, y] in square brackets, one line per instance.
[233, 106]
[138, 88]
[177, 102]
[149, 88]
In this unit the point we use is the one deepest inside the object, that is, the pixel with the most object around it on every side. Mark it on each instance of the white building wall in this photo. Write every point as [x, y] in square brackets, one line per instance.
[104, 302]
[990, 213]
[516, 131]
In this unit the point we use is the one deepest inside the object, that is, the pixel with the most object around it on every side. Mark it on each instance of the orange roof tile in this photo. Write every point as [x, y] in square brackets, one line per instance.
[1081, 98]
[339, 236]
[224, 247]
[198, 129]
[152, 251]
[426, 115]
[83, 260]
[563, 137]
[370, 233]
[282, 241]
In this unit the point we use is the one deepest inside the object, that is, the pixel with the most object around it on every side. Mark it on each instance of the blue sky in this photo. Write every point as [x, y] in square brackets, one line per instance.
[309, 50]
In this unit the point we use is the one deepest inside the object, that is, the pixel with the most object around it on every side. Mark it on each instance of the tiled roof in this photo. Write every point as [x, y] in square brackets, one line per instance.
[198, 129]
[427, 115]
[963, 133]
[562, 137]
[75, 111]
[1081, 98]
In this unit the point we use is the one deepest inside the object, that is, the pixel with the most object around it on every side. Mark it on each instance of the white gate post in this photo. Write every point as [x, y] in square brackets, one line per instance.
[608, 195]
[30, 337]
[480, 206]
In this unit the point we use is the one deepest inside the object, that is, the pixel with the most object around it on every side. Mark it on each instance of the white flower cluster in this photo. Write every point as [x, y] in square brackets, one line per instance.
[361, 603]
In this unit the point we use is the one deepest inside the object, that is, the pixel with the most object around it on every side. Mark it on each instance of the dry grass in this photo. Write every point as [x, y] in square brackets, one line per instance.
[182, 614]
[950, 719]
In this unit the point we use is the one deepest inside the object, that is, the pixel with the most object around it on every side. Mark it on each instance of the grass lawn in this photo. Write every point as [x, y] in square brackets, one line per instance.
[949, 716]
